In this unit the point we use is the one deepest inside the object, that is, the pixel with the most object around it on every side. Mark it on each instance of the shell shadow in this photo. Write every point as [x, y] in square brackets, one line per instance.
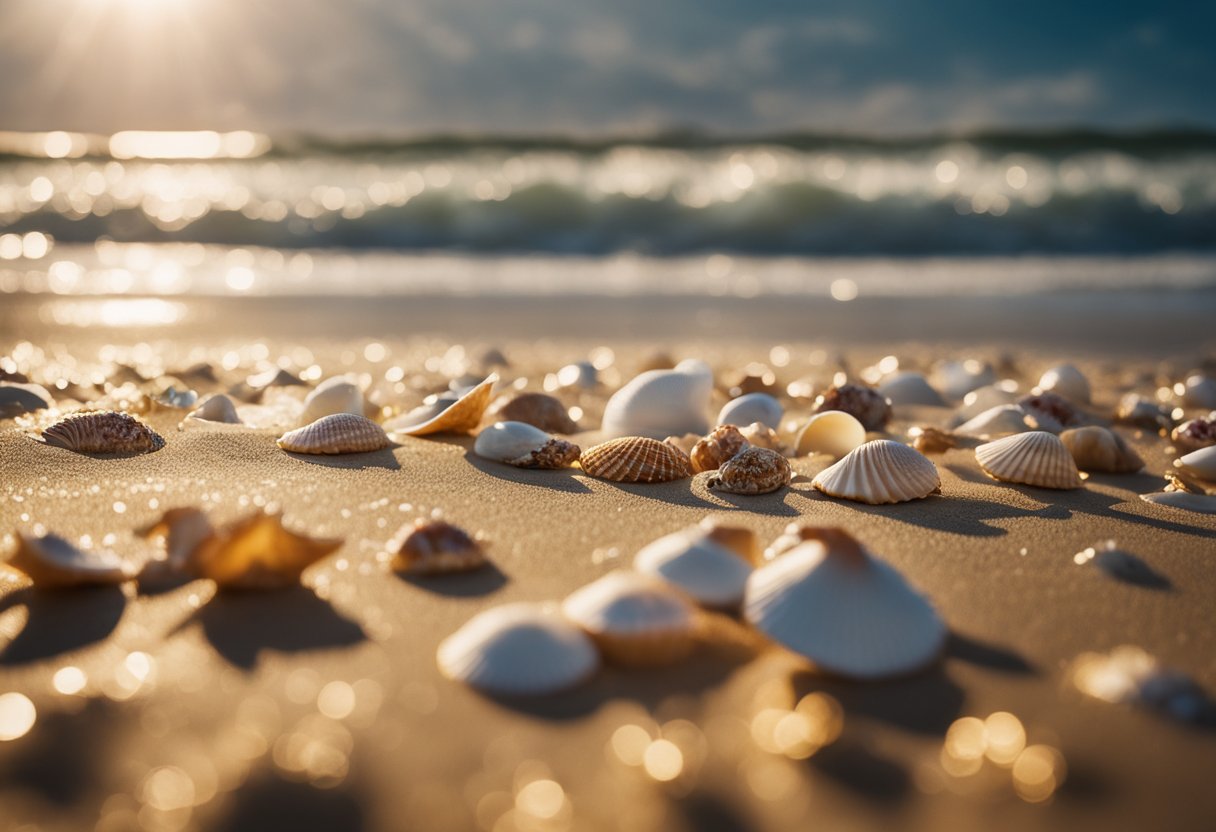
[956, 515]
[969, 474]
[1097, 504]
[63, 760]
[707, 810]
[556, 479]
[268, 802]
[383, 458]
[62, 621]
[863, 771]
[772, 504]
[923, 703]
[987, 655]
[1124, 566]
[484, 581]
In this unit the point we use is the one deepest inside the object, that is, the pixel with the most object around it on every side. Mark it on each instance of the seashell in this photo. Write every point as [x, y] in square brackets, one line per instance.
[201, 372]
[752, 407]
[832, 432]
[762, 436]
[447, 413]
[583, 374]
[493, 357]
[539, 410]
[880, 472]
[956, 379]
[752, 471]
[1143, 413]
[794, 535]
[334, 395]
[1001, 420]
[634, 619]
[1202, 503]
[17, 398]
[1036, 458]
[754, 378]
[341, 433]
[1195, 434]
[850, 613]
[174, 399]
[1067, 381]
[524, 446]
[1179, 481]
[1129, 674]
[931, 440]
[274, 377]
[1098, 449]
[184, 530]
[1052, 412]
[910, 388]
[1200, 464]
[50, 561]
[661, 403]
[1199, 391]
[432, 547]
[709, 562]
[103, 432]
[519, 649]
[257, 552]
[867, 405]
[217, 408]
[985, 398]
[720, 445]
[636, 459]
[684, 443]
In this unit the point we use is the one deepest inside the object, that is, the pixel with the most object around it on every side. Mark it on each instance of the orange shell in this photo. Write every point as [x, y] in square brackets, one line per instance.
[636, 459]
[723, 442]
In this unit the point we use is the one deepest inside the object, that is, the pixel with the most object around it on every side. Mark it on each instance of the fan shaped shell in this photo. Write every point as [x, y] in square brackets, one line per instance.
[710, 563]
[752, 471]
[880, 472]
[636, 459]
[659, 403]
[432, 547]
[635, 619]
[52, 562]
[1036, 458]
[525, 446]
[1067, 381]
[105, 432]
[447, 413]
[341, 433]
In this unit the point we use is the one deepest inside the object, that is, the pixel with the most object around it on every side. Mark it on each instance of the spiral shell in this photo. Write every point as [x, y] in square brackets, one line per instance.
[752, 471]
[1035, 458]
[106, 432]
[341, 433]
[634, 619]
[880, 472]
[50, 561]
[1098, 449]
[447, 413]
[636, 459]
[524, 446]
[721, 444]
[539, 410]
[867, 405]
[431, 547]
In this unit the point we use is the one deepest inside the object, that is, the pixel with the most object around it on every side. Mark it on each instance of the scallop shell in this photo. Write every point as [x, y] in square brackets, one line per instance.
[1036, 458]
[50, 561]
[661, 403]
[634, 619]
[448, 413]
[1200, 464]
[1195, 434]
[880, 472]
[431, 547]
[104, 432]
[539, 410]
[832, 432]
[1201, 503]
[1098, 449]
[519, 649]
[1002, 420]
[910, 388]
[958, 378]
[334, 395]
[752, 407]
[636, 459]
[866, 404]
[931, 440]
[257, 552]
[524, 446]
[850, 613]
[217, 408]
[752, 471]
[17, 398]
[341, 433]
[1067, 381]
[720, 445]
[1199, 391]
[709, 562]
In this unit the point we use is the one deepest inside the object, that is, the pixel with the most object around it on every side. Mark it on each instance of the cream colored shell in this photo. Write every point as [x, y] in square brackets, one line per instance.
[340, 433]
[448, 413]
[52, 562]
[880, 472]
[709, 562]
[1035, 458]
[635, 619]
[832, 432]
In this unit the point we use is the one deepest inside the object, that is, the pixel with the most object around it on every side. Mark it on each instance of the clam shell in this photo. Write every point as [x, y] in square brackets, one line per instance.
[1095, 448]
[752, 471]
[1201, 503]
[1195, 434]
[257, 552]
[334, 395]
[17, 398]
[634, 619]
[958, 378]
[431, 547]
[50, 561]
[524, 446]
[1001, 420]
[720, 445]
[1199, 391]
[341, 433]
[661, 403]
[217, 408]
[1067, 381]
[848, 612]
[752, 407]
[447, 414]
[1036, 458]
[104, 432]
[832, 432]
[869, 406]
[880, 472]
[984, 398]
[539, 410]
[709, 562]
[1200, 464]
[636, 459]
[519, 649]
[910, 388]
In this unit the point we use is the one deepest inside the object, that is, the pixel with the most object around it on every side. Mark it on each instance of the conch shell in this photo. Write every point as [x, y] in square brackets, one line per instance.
[447, 412]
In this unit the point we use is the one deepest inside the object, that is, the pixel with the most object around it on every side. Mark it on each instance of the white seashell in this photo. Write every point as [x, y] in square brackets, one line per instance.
[1199, 391]
[708, 562]
[1095, 448]
[1068, 381]
[17, 398]
[51, 561]
[850, 613]
[832, 432]
[1035, 458]
[583, 375]
[334, 395]
[752, 407]
[660, 403]
[910, 388]
[956, 379]
[985, 398]
[634, 619]
[174, 399]
[446, 413]
[1202, 503]
[521, 649]
[1131, 675]
[524, 446]
[880, 472]
[1001, 420]
[341, 433]
[1200, 464]
[217, 408]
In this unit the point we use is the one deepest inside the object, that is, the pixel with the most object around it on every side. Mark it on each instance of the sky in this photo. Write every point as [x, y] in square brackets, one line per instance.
[409, 67]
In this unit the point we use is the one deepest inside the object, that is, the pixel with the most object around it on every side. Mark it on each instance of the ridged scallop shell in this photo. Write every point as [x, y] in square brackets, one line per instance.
[1195, 434]
[539, 410]
[334, 395]
[634, 619]
[1001, 420]
[752, 471]
[519, 649]
[752, 407]
[341, 433]
[1036, 458]
[709, 562]
[661, 403]
[257, 552]
[524, 446]
[880, 472]
[17, 398]
[711, 451]
[1201, 503]
[832, 432]
[867, 405]
[106, 432]
[910, 388]
[635, 459]
[848, 612]
[1095, 448]
[432, 547]
[52, 562]
[1200, 464]
[218, 408]
[448, 413]
[1067, 381]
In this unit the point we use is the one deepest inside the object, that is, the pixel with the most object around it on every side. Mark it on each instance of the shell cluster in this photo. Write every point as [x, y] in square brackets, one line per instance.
[340, 433]
[105, 432]
[636, 459]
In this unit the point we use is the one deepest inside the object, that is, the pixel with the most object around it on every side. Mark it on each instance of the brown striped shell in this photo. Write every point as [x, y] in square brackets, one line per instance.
[711, 451]
[432, 547]
[1034, 458]
[636, 459]
[752, 471]
[106, 432]
[339, 433]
